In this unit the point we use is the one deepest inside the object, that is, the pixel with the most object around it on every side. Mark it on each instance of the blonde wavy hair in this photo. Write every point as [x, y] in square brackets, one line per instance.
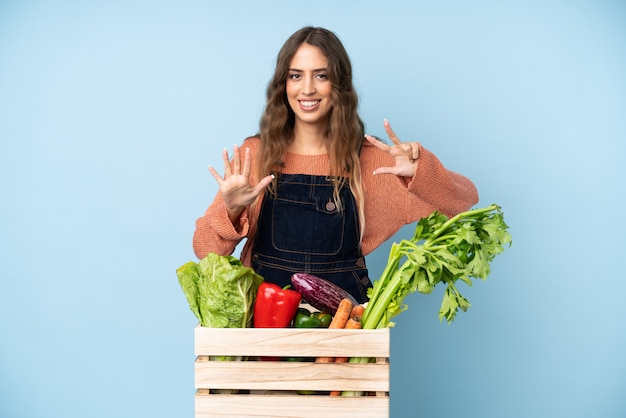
[344, 128]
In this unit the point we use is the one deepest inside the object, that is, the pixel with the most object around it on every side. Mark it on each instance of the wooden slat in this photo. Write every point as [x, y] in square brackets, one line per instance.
[279, 406]
[284, 375]
[272, 383]
[295, 342]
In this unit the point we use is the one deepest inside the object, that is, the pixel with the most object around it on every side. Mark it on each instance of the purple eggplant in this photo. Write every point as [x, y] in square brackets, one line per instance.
[320, 293]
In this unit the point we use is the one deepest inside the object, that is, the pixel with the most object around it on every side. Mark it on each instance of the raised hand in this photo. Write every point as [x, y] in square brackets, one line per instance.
[405, 154]
[235, 187]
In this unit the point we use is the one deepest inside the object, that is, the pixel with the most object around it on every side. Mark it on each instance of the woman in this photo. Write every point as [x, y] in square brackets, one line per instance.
[311, 192]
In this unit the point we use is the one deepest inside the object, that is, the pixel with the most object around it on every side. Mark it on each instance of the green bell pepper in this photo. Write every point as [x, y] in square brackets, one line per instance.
[324, 318]
[305, 319]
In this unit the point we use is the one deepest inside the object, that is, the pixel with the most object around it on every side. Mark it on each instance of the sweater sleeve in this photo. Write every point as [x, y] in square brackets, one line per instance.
[442, 189]
[216, 233]
[392, 202]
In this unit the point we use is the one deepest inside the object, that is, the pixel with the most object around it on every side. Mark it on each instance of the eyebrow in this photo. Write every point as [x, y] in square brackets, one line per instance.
[315, 70]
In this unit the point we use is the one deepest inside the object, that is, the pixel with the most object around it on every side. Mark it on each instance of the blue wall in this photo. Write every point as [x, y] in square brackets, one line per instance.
[110, 113]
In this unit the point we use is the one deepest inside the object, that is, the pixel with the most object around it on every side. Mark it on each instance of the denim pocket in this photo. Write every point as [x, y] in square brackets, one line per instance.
[307, 225]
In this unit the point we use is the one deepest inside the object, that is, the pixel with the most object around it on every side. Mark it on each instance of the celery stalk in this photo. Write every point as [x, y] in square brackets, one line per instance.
[444, 251]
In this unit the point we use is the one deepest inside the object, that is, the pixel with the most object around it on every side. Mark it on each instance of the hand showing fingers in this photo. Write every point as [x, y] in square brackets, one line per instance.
[235, 187]
[405, 154]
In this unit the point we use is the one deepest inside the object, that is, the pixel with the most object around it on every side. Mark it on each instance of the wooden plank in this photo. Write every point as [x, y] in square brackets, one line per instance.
[272, 384]
[279, 406]
[291, 342]
[284, 375]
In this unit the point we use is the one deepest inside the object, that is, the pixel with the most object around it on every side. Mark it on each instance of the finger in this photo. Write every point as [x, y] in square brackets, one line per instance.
[246, 163]
[408, 150]
[265, 181]
[415, 150]
[384, 170]
[390, 133]
[227, 171]
[236, 160]
[402, 170]
[401, 151]
[216, 175]
[377, 143]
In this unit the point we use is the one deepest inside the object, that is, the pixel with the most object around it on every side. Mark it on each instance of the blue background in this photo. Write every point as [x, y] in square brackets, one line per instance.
[111, 111]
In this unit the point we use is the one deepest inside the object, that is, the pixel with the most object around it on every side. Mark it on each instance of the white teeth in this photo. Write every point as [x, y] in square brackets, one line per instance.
[309, 103]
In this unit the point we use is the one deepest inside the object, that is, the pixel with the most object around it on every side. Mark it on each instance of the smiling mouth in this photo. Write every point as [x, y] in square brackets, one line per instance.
[309, 104]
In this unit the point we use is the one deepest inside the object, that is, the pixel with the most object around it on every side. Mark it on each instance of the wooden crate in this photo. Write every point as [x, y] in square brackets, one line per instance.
[267, 388]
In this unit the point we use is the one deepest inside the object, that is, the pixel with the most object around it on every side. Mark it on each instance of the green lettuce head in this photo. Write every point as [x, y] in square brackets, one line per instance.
[220, 291]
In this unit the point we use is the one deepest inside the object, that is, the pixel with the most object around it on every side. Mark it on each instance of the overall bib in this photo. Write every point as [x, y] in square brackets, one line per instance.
[301, 231]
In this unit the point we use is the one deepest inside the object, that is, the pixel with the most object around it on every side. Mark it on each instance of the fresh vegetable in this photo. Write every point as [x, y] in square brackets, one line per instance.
[324, 318]
[305, 319]
[357, 313]
[441, 251]
[444, 251]
[320, 293]
[353, 322]
[275, 307]
[342, 315]
[220, 291]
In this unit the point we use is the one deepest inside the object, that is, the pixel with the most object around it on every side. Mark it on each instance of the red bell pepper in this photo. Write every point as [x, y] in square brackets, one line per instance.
[275, 307]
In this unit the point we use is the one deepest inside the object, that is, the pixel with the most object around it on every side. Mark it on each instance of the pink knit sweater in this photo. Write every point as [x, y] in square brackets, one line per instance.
[390, 201]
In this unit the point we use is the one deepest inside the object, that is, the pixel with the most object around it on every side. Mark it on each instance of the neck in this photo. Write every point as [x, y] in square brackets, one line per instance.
[308, 140]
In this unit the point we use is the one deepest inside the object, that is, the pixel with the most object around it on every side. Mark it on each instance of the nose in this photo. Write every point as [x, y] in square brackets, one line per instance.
[309, 86]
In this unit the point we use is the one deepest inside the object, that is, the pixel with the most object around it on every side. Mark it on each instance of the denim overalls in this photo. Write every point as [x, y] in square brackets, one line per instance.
[301, 231]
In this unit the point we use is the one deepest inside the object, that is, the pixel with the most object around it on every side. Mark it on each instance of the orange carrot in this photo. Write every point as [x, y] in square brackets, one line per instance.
[339, 321]
[353, 324]
[353, 321]
[350, 324]
[357, 312]
[342, 315]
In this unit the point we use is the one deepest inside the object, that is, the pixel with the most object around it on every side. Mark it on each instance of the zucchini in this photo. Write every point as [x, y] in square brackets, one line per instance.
[320, 293]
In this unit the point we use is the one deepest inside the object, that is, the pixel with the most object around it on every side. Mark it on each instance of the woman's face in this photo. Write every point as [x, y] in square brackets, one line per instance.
[308, 87]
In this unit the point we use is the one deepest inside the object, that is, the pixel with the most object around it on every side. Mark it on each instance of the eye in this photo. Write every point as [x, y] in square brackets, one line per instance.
[322, 76]
[294, 76]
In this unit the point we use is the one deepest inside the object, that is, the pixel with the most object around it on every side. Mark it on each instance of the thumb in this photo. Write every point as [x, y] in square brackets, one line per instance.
[265, 181]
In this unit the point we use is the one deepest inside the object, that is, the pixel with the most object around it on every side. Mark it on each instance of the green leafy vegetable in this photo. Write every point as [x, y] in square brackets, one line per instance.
[220, 291]
[441, 251]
